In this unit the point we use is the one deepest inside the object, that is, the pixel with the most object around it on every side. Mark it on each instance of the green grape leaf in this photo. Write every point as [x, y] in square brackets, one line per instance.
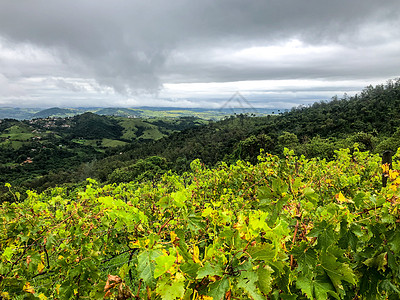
[209, 270]
[188, 294]
[263, 252]
[180, 197]
[359, 199]
[325, 234]
[391, 259]
[336, 271]
[146, 265]
[8, 253]
[322, 289]
[195, 223]
[348, 239]
[218, 289]
[170, 289]
[183, 249]
[51, 239]
[265, 195]
[306, 258]
[247, 281]
[394, 241]
[306, 285]
[380, 262]
[190, 268]
[265, 279]
[388, 286]
[311, 196]
[163, 264]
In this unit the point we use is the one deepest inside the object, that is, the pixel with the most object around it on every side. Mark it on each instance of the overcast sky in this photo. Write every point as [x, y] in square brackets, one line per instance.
[276, 53]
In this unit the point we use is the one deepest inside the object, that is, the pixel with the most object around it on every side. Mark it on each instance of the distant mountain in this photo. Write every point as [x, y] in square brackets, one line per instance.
[140, 112]
[17, 113]
[55, 112]
[118, 111]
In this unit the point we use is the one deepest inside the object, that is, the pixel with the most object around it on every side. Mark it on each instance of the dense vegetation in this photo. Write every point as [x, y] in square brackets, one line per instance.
[201, 212]
[287, 228]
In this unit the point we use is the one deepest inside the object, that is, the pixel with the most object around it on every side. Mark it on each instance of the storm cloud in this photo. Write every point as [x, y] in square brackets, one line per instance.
[193, 53]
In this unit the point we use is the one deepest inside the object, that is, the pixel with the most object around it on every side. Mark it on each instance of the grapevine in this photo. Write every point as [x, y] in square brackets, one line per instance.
[291, 228]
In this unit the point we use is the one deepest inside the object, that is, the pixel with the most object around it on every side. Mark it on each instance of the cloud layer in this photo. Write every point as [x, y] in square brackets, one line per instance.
[193, 53]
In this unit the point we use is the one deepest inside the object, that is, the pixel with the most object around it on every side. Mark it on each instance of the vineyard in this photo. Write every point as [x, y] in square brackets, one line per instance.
[290, 228]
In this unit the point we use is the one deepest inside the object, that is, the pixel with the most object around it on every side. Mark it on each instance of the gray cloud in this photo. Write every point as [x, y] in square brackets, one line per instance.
[136, 47]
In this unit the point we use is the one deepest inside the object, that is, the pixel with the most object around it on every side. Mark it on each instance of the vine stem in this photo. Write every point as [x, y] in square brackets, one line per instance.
[138, 291]
[293, 241]
[165, 224]
[296, 228]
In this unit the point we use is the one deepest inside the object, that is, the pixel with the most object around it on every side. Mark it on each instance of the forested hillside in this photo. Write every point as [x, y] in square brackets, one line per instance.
[113, 149]
[371, 120]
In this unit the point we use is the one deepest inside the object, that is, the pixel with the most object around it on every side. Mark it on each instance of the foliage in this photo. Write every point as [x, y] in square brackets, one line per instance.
[143, 169]
[291, 228]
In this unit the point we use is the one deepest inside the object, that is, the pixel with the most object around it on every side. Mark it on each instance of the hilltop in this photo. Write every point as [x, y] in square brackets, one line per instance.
[54, 112]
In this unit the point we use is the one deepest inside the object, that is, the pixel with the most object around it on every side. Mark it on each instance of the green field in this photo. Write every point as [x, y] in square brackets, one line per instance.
[15, 136]
[152, 133]
[112, 143]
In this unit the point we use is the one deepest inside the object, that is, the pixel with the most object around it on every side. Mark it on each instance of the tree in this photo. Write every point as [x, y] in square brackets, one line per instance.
[288, 140]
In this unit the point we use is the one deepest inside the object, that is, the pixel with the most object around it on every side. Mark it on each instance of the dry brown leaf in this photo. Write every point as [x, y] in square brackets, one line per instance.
[124, 292]
[112, 281]
[28, 260]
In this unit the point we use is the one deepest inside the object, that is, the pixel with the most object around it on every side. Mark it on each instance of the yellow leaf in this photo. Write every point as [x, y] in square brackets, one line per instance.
[393, 174]
[179, 258]
[5, 295]
[40, 267]
[173, 236]
[42, 297]
[385, 168]
[28, 288]
[341, 198]
[135, 244]
[58, 288]
[196, 254]
[270, 171]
